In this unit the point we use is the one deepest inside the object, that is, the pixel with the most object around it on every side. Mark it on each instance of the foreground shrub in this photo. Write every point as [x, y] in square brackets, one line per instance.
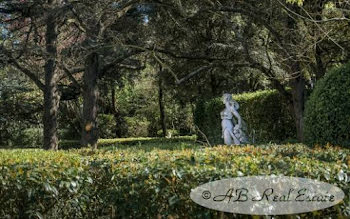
[69, 144]
[265, 113]
[327, 112]
[134, 183]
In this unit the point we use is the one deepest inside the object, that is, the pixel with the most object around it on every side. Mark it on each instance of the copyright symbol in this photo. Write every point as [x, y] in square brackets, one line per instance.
[206, 195]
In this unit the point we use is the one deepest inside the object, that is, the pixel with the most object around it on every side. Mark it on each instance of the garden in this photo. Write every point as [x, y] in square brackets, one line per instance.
[122, 109]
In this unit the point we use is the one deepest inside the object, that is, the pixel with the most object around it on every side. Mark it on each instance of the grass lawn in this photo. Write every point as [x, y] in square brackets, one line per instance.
[151, 178]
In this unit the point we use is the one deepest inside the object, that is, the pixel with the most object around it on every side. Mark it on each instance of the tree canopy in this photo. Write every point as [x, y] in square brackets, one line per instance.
[88, 57]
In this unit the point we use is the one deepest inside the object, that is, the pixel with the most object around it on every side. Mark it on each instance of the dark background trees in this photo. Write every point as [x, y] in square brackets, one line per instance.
[140, 67]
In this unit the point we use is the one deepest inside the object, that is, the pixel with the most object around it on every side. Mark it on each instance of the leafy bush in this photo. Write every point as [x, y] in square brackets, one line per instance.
[31, 137]
[20, 107]
[69, 144]
[138, 101]
[139, 183]
[137, 127]
[327, 112]
[106, 125]
[23, 137]
[265, 113]
[170, 133]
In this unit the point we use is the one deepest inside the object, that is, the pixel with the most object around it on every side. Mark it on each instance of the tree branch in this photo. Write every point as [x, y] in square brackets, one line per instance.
[70, 76]
[194, 73]
[118, 61]
[25, 71]
[257, 18]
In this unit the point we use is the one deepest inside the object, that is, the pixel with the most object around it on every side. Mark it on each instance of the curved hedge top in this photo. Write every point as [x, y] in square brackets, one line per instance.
[327, 112]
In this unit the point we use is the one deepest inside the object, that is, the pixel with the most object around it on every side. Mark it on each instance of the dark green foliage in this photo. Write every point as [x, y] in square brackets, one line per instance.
[327, 113]
[20, 108]
[106, 124]
[265, 113]
[152, 181]
[30, 137]
[137, 126]
[21, 137]
[69, 133]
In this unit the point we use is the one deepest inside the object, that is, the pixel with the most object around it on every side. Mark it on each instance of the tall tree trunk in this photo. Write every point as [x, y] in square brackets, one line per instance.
[298, 81]
[51, 94]
[298, 93]
[90, 95]
[320, 69]
[116, 113]
[114, 110]
[161, 106]
[213, 84]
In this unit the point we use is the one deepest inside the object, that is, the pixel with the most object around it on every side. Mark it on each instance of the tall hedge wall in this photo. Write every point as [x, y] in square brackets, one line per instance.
[265, 113]
[327, 111]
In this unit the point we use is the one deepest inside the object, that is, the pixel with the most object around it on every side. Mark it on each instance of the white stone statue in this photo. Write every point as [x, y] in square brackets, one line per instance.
[231, 131]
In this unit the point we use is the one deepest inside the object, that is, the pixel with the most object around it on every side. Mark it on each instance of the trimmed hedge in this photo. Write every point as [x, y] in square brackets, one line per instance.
[69, 144]
[265, 113]
[134, 183]
[327, 112]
